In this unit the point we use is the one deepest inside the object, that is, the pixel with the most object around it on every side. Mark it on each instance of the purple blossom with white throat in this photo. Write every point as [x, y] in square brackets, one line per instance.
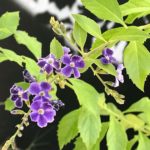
[48, 64]
[119, 77]
[18, 95]
[40, 90]
[42, 113]
[107, 57]
[72, 65]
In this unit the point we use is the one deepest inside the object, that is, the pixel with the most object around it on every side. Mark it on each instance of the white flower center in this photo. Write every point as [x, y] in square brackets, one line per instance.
[42, 93]
[50, 60]
[41, 111]
[72, 64]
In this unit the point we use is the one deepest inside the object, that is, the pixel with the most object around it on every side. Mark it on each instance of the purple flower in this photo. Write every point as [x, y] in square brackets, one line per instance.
[40, 90]
[48, 64]
[72, 65]
[57, 104]
[66, 50]
[119, 77]
[108, 57]
[42, 113]
[18, 95]
[27, 77]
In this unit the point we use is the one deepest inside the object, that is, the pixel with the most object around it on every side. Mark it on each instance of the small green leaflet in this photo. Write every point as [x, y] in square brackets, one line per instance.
[30, 42]
[144, 142]
[109, 68]
[24, 85]
[87, 95]
[9, 104]
[79, 35]
[123, 34]
[135, 6]
[89, 126]
[131, 143]
[138, 66]
[67, 128]
[32, 67]
[116, 135]
[105, 9]
[8, 24]
[88, 25]
[143, 105]
[56, 48]
[6, 54]
[79, 145]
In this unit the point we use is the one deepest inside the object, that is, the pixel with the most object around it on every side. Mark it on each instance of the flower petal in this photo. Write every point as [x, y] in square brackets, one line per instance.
[45, 86]
[41, 63]
[104, 60]
[34, 88]
[66, 50]
[25, 95]
[107, 52]
[36, 105]
[19, 103]
[67, 71]
[48, 68]
[49, 115]
[76, 58]
[80, 64]
[42, 122]
[56, 65]
[76, 72]
[14, 97]
[34, 116]
[66, 59]
[47, 106]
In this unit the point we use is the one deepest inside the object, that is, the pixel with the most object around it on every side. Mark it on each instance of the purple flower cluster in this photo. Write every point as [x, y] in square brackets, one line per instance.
[108, 58]
[71, 63]
[18, 95]
[43, 108]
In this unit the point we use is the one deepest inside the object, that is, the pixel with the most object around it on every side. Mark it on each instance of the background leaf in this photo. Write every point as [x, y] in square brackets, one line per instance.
[87, 95]
[30, 42]
[6, 54]
[9, 104]
[105, 9]
[8, 24]
[89, 126]
[67, 128]
[138, 66]
[116, 135]
[143, 105]
[56, 48]
[88, 25]
[144, 142]
[79, 35]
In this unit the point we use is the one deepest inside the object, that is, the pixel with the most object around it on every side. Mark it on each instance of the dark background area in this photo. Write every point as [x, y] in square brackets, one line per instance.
[35, 138]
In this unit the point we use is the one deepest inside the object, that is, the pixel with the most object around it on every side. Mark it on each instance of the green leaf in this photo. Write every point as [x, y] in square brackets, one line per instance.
[67, 128]
[116, 136]
[30, 42]
[135, 6]
[144, 142]
[87, 95]
[131, 143]
[24, 85]
[79, 35]
[143, 105]
[6, 54]
[105, 9]
[9, 104]
[138, 66]
[79, 145]
[89, 126]
[129, 34]
[109, 68]
[8, 24]
[56, 48]
[33, 68]
[88, 25]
